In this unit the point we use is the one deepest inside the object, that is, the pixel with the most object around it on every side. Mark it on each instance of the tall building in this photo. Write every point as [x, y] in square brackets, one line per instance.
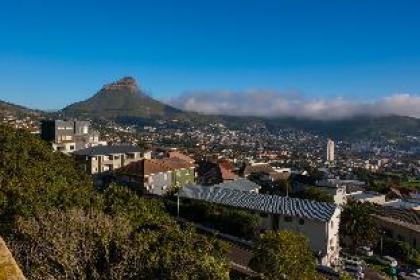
[69, 136]
[330, 150]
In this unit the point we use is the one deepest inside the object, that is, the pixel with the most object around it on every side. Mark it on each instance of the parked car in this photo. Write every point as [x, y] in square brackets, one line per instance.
[355, 271]
[387, 260]
[365, 250]
[327, 271]
[408, 276]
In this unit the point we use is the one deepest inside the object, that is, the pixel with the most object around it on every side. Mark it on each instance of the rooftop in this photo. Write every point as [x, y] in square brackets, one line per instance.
[273, 204]
[108, 150]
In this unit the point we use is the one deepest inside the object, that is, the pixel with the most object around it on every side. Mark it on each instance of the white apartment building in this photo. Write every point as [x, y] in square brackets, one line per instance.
[318, 221]
[330, 150]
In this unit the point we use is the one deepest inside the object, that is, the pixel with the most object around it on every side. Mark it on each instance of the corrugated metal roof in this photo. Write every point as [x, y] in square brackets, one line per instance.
[273, 204]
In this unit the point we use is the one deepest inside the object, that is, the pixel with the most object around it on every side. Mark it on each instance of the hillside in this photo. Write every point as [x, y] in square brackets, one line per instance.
[357, 127]
[58, 226]
[7, 108]
[123, 98]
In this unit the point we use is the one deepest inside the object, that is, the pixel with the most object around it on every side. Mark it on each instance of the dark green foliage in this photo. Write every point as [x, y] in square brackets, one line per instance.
[357, 226]
[59, 227]
[33, 178]
[283, 255]
[314, 193]
[401, 250]
[229, 220]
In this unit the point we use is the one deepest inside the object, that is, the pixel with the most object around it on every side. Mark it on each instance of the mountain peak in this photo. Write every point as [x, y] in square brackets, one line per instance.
[122, 98]
[126, 84]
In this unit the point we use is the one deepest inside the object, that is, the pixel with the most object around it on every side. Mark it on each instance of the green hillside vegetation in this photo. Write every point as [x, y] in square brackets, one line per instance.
[58, 227]
[16, 110]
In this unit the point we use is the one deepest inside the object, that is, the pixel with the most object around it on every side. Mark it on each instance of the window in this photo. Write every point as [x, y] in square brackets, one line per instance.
[71, 147]
[301, 221]
[288, 219]
[165, 176]
[332, 224]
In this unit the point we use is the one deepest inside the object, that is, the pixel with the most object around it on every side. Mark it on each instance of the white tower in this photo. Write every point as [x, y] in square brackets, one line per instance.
[330, 150]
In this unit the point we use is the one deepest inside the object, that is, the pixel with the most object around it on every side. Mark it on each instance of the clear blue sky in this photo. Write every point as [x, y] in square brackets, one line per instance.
[56, 52]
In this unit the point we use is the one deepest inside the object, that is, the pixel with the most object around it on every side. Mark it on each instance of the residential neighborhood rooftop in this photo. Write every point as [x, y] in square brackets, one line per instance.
[273, 204]
[108, 150]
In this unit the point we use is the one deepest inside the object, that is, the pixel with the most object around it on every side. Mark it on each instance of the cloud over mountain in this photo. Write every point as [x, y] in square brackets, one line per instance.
[292, 104]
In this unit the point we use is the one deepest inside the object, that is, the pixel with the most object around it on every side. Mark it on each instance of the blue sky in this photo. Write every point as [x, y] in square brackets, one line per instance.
[53, 53]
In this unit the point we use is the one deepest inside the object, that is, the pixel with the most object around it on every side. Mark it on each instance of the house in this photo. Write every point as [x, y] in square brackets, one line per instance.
[174, 154]
[371, 197]
[318, 221]
[334, 187]
[100, 159]
[210, 172]
[157, 176]
[401, 225]
[69, 136]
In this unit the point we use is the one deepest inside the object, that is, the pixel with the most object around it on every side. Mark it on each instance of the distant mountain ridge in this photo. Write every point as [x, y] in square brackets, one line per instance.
[13, 109]
[125, 102]
[123, 98]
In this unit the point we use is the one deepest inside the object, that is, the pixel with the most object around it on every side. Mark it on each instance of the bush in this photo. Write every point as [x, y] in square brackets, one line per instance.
[229, 220]
[59, 227]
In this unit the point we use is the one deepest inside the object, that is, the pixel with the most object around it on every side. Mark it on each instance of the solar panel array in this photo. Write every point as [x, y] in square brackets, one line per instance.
[272, 204]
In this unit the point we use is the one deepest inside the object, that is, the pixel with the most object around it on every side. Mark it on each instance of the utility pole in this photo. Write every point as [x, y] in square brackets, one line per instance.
[177, 204]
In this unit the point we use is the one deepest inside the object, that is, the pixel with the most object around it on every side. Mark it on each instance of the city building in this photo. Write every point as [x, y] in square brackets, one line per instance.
[318, 221]
[330, 150]
[334, 187]
[69, 136]
[100, 159]
[157, 176]
[371, 197]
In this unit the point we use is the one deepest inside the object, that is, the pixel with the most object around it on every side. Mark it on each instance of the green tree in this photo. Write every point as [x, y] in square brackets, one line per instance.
[283, 255]
[314, 193]
[357, 226]
[59, 227]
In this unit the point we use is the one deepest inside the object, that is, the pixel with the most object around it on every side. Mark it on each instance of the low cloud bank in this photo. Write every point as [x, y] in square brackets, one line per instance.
[281, 104]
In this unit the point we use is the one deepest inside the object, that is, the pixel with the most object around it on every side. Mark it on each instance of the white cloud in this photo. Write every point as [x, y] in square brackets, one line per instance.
[292, 104]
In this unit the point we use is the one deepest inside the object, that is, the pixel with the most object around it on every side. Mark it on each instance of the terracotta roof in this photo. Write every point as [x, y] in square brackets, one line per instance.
[181, 156]
[226, 168]
[152, 166]
[249, 169]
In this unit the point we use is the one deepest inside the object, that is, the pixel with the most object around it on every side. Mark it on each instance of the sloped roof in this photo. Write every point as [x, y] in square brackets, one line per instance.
[273, 204]
[108, 150]
[152, 166]
[181, 156]
[239, 185]
[257, 168]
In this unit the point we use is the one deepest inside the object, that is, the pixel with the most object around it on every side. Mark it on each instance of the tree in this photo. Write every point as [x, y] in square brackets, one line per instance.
[314, 193]
[59, 227]
[358, 226]
[79, 244]
[345, 276]
[283, 255]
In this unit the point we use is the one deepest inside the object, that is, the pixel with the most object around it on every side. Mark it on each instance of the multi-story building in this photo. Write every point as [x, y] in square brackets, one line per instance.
[330, 150]
[318, 221]
[100, 159]
[69, 136]
[157, 176]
